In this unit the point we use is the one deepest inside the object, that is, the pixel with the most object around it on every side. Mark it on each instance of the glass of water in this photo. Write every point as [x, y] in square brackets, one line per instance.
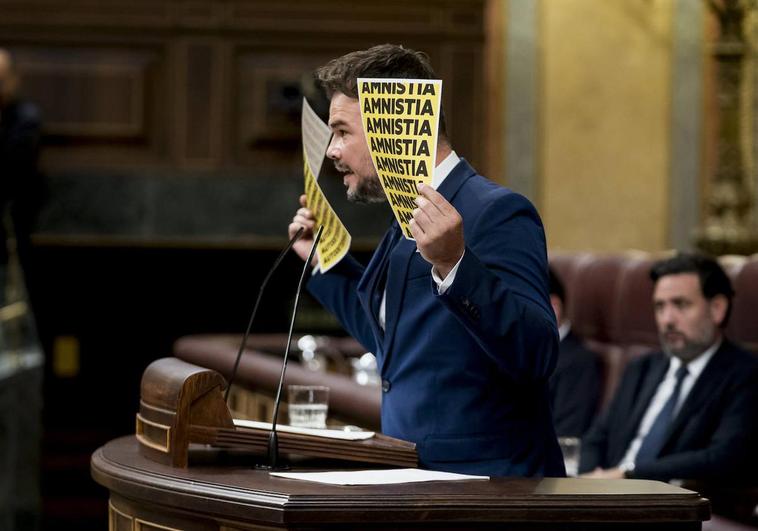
[570, 447]
[308, 405]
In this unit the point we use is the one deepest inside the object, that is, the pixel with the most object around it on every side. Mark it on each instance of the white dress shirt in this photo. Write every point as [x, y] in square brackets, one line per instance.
[564, 330]
[665, 388]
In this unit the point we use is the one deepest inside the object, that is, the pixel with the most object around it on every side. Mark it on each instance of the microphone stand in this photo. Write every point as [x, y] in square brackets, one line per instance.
[255, 309]
[273, 439]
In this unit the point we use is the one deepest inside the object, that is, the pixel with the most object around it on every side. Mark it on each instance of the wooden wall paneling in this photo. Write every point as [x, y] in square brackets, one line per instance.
[467, 91]
[460, 65]
[390, 17]
[200, 14]
[90, 100]
[370, 19]
[199, 94]
[126, 14]
[98, 101]
[227, 102]
[268, 93]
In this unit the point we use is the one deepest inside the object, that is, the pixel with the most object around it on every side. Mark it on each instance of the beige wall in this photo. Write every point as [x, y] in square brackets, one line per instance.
[604, 123]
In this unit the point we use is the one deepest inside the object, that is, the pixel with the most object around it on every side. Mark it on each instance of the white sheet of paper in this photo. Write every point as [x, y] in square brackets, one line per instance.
[376, 477]
[326, 434]
[316, 136]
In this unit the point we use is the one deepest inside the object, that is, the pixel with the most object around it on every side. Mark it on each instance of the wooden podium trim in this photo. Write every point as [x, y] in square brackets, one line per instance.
[112, 512]
[144, 439]
[139, 522]
[236, 495]
[185, 403]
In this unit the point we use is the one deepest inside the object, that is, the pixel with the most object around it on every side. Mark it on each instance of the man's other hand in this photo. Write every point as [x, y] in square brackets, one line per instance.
[303, 218]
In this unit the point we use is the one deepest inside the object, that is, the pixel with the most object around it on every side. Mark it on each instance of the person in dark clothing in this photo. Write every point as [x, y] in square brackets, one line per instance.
[21, 185]
[688, 412]
[575, 383]
[20, 354]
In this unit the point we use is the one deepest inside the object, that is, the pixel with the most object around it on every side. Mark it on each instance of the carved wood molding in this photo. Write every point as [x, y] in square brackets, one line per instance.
[441, 17]
[217, 84]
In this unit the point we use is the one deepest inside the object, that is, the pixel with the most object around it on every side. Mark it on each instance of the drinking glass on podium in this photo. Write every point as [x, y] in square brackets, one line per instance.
[570, 448]
[308, 405]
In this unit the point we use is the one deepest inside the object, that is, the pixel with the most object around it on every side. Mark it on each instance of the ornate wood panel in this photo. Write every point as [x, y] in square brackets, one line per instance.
[217, 85]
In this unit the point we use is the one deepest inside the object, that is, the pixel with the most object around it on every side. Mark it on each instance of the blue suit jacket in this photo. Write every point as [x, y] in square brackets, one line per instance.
[714, 435]
[465, 373]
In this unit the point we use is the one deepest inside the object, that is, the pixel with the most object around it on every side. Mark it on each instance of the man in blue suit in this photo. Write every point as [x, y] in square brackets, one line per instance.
[460, 320]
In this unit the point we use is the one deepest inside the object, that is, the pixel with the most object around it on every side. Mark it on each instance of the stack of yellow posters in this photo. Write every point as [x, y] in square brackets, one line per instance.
[400, 119]
[335, 240]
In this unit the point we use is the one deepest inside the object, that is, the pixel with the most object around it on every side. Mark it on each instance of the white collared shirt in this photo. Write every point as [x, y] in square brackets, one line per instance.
[441, 172]
[665, 388]
[564, 330]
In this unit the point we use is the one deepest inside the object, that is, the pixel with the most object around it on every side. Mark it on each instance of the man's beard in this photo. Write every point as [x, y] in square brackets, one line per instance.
[367, 190]
[692, 347]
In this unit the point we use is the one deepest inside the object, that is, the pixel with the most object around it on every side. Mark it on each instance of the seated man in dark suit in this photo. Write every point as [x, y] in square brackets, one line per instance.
[689, 412]
[575, 383]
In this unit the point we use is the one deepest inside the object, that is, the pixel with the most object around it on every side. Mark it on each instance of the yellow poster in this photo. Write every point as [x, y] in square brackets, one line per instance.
[400, 118]
[335, 240]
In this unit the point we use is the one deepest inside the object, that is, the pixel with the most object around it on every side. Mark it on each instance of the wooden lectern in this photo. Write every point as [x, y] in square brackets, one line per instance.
[146, 495]
[183, 404]
[152, 488]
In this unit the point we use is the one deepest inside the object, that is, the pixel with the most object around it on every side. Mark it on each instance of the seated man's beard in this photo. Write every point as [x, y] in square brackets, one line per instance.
[368, 190]
[692, 347]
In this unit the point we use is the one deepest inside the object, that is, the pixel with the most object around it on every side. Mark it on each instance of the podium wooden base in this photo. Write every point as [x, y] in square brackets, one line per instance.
[146, 495]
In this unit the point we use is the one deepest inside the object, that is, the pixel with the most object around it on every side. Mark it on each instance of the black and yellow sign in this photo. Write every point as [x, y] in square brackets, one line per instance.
[400, 119]
[335, 240]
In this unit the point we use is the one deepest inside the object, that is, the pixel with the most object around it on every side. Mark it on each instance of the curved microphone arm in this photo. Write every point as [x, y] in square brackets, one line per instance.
[255, 308]
[273, 441]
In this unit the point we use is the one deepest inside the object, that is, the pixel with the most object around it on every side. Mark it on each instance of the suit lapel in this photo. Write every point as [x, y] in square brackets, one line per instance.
[400, 260]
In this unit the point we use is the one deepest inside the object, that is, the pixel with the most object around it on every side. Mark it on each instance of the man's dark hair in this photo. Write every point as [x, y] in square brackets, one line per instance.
[556, 286]
[382, 61]
[713, 279]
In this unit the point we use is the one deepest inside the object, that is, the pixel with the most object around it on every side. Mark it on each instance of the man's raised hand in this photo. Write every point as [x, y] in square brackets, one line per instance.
[303, 218]
[438, 229]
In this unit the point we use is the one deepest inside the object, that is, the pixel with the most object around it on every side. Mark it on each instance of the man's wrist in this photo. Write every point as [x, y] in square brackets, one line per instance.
[443, 283]
[444, 268]
[627, 470]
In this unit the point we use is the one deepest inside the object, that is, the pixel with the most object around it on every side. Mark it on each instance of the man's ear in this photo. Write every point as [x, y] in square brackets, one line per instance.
[717, 307]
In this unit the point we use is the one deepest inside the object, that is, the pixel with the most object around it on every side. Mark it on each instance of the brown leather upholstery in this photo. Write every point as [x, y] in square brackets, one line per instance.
[259, 371]
[592, 295]
[743, 323]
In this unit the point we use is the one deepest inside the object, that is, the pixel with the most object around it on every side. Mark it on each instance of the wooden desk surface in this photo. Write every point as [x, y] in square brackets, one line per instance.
[211, 496]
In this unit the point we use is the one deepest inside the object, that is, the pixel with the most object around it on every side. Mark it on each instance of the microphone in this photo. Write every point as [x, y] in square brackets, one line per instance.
[273, 439]
[255, 308]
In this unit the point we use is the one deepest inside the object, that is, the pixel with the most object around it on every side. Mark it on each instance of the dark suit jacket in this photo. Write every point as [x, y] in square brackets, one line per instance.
[21, 185]
[19, 146]
[712, 437]
[574, 388]
[465, 373]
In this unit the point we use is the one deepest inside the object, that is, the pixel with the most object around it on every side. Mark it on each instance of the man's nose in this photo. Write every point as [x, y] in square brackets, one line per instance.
[667, 317]
[332, 151]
